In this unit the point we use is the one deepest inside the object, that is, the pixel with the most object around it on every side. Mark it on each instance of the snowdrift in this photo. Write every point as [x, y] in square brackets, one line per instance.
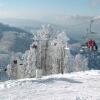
[73, 86]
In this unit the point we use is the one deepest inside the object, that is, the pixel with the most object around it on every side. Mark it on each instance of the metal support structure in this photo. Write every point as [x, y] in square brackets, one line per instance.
[91, 22]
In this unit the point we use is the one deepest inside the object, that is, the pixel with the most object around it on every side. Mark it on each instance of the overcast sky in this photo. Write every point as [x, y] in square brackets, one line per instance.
[37, 9]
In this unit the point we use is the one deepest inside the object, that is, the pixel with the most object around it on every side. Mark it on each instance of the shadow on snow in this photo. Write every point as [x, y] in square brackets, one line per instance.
[53, 80]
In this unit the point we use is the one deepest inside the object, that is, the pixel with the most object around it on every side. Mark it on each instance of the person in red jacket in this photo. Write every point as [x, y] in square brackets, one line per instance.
[91, 44]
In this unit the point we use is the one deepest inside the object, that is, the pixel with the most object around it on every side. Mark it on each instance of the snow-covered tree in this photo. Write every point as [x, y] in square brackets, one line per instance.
[46, 52]
[49, 54]
[38, 55]
[15, 68]
[29, 61]
[81, 63]
[44, 36]
[58, 52]
[69, 61]
[9, 71]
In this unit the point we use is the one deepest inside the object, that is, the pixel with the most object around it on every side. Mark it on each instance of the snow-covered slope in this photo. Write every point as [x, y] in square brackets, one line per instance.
[73, 86]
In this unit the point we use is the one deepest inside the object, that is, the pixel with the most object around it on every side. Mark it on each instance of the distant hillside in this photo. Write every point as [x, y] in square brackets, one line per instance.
[13, 39]
[4, 27]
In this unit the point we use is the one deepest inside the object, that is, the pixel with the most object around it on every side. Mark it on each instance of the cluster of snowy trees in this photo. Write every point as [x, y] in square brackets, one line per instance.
[48, 53]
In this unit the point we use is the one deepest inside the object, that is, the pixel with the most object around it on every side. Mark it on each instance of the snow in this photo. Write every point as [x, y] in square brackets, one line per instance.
[67, 48]
[73, 86]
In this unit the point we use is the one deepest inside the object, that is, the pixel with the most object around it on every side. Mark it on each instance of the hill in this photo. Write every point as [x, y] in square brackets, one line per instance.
[12, 39]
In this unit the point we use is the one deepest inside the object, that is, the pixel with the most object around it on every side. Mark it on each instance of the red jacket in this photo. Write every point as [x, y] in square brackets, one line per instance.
[90, 43]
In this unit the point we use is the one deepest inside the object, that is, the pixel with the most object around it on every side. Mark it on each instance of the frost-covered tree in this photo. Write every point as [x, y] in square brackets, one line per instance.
[29, 61]
[58, 52]
[44, 36]
[14, 68]
[47, 53]
[38, 55]
[81, 63]
[69, 61]
[9, 71]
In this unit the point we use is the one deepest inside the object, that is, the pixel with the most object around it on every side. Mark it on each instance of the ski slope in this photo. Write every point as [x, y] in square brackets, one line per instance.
[73, 86]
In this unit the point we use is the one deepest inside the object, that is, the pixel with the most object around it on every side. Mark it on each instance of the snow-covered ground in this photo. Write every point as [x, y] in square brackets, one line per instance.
[73, 86]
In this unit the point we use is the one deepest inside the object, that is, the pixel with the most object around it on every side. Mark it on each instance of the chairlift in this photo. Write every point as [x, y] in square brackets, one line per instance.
[89, 45]
[93, 33]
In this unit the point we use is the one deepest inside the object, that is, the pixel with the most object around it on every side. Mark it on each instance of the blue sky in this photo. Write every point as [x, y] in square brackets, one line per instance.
[37, 9]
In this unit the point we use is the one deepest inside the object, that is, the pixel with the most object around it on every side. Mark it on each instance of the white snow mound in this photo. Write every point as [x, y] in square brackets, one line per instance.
[73, 86]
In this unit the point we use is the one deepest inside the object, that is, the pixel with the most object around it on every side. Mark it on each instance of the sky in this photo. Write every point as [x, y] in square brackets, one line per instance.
[37, 9]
